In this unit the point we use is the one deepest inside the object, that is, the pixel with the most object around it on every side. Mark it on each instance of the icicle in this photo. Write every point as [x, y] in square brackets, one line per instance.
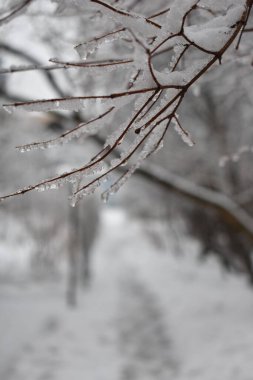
[185, 135]
[87, 190]
[118, 184]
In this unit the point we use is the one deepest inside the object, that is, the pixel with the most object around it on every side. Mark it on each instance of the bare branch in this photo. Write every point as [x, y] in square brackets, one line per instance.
[102, 64]
[15, 12]
[127, 14]
[76, 132]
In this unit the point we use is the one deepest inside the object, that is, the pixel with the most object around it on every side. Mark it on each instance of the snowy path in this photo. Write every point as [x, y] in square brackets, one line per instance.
[65, 344]
[148, 315]
[143, 338]
[116, 333]
[23, 312]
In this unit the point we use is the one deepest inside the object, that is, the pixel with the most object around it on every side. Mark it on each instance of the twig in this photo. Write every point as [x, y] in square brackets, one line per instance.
[15, 11]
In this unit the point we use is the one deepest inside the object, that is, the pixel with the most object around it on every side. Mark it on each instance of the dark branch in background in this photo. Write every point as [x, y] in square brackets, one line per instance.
[35, 66]
[15, 11]
[227, 208]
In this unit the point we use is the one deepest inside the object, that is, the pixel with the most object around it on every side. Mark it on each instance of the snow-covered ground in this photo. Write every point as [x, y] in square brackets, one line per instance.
[147, 315]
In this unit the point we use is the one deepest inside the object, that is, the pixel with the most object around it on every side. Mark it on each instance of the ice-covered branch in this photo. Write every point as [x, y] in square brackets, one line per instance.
[153, 95]
[90, 127]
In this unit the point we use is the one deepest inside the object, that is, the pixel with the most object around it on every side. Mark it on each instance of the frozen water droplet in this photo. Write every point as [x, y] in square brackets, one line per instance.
[73, 201]
[105, 197]
[40, 188]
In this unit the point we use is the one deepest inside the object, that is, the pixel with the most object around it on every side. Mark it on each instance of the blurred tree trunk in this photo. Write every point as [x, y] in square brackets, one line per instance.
[73, 256]
[89, 221]
[83, 228]
[85, 260]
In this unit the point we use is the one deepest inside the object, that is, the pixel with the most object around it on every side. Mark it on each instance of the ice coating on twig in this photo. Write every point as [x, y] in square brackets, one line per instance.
[87, 128]
[154, 142]
[85, 49]
[148, 100]
[68, 104]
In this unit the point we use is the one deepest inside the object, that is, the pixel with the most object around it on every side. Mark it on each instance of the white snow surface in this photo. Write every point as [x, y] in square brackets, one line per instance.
[148, 314]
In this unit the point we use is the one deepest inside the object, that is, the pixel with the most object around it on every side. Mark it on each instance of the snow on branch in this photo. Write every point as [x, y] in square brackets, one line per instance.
[87, 128]
[153, 94]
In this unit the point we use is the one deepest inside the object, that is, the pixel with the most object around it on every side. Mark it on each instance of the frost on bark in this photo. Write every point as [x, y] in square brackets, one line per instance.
[196, 33]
